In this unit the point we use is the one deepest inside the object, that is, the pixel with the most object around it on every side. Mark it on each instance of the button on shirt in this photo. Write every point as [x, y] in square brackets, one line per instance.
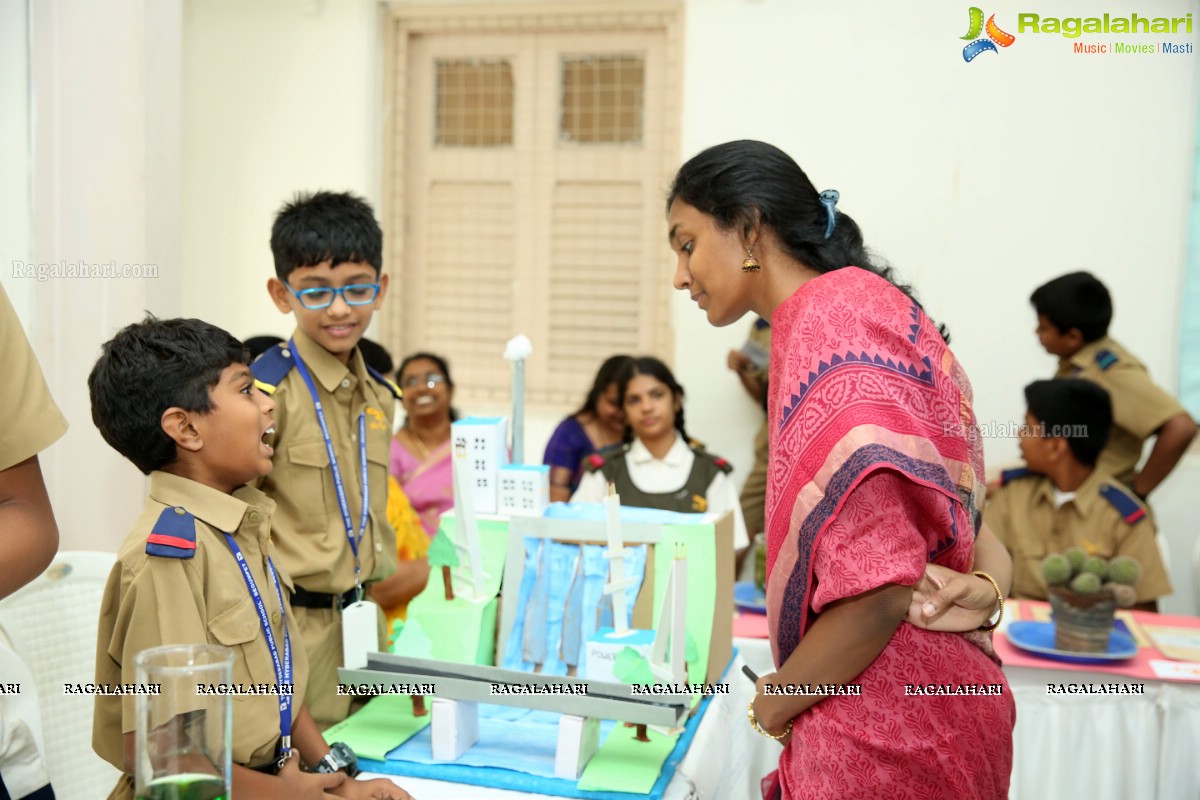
[668, 474]
[310, 535]
[151, 601]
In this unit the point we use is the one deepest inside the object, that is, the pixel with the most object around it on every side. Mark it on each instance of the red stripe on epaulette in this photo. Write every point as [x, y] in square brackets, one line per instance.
[172, 541]
[1135, 516]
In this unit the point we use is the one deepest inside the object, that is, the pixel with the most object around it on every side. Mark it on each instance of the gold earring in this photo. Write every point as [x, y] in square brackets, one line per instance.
[751, 263]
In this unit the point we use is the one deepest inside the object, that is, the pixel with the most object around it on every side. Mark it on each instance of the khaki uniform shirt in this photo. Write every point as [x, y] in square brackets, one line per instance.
[1023, 516]
[310, 535]
[1140, 407]
[29, 420]
[153, 600]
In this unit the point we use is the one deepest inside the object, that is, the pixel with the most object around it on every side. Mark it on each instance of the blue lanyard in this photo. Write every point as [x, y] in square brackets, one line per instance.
[283, 672]
[338, 485]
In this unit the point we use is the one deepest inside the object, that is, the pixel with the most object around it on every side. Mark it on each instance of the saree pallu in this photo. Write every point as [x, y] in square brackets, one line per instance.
[876, 468]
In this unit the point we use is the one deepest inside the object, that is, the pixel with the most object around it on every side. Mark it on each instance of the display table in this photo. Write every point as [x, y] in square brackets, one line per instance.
[1099, 746]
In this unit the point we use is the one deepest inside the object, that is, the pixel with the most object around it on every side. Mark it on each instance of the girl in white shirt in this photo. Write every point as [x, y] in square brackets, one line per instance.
[659, 468]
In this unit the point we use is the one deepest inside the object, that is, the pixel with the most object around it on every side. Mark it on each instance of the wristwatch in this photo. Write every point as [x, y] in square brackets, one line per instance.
[339, 757]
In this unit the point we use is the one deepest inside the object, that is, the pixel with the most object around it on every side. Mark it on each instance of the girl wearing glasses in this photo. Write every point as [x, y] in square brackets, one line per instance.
[421, 449]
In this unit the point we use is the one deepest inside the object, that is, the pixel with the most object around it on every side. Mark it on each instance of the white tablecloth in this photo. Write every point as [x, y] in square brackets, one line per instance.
[722, 763]
[1102, 747]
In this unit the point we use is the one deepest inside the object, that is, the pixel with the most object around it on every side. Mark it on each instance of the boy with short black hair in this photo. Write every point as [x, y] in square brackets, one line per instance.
[333, 424]
[1063, 500]
[1074, 312]
[176, 398]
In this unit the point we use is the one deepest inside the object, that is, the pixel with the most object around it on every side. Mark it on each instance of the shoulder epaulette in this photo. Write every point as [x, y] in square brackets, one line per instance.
[1124, 502]
[717, 461]
[1010, 475]
[1105, 359]
[173, 534]
[272, 367]
[386, 381]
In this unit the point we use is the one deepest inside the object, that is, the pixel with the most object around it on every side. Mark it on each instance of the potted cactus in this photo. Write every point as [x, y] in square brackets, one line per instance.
[1085, 592]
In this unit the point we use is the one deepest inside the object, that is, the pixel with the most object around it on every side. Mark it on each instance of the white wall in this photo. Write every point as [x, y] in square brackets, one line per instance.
[279, 96]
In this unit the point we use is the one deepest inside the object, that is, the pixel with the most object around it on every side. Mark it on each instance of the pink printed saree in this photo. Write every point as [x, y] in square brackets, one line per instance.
[874, 471]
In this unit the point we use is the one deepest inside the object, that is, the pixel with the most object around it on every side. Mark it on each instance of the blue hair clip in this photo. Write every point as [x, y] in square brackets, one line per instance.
[829, 199]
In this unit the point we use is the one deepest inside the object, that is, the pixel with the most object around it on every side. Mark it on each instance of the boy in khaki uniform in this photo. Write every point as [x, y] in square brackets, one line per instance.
[328, 255]
[1064, 500]
[176, 398]
[1074, 312]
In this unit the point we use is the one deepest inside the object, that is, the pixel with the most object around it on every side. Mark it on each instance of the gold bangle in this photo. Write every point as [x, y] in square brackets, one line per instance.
[999, 599]
[754, 724]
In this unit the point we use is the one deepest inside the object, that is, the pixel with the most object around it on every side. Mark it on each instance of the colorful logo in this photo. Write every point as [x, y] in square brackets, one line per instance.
[995, 36]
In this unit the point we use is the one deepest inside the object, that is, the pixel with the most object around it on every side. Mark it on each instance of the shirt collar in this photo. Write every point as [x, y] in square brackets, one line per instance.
[1085, 495]
[324, 366]
[674, 457]
[1087, 354]
[215, 508]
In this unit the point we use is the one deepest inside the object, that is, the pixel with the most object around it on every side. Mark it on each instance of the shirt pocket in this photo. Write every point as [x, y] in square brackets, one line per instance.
[308, 464]
[1027, 567]
[238, 628]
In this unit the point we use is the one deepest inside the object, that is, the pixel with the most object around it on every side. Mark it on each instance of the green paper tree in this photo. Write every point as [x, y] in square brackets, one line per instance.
[442, 553]
[630, 666]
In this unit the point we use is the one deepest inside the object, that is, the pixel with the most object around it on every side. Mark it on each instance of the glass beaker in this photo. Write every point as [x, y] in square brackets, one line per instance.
[184, 723]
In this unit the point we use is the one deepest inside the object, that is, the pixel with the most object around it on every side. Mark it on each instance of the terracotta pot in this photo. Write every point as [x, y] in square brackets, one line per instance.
[1082, 622]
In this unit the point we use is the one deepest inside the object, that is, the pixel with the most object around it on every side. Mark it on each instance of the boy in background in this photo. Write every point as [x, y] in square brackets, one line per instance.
[333, 427]
[1063, 500]
[176, 398]
[1073, 313]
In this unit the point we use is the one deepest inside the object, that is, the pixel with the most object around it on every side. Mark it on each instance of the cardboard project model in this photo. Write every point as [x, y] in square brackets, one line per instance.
[709, 547]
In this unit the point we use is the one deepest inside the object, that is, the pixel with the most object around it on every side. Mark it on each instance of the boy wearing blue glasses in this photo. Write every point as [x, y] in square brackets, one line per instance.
[333, 425]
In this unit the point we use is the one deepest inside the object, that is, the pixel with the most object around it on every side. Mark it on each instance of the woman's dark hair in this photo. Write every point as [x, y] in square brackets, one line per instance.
[1075, 300]
[648, 365]
[746, 183]
[1075, 409]
[606, 376]
[151, 366]
[438, 362]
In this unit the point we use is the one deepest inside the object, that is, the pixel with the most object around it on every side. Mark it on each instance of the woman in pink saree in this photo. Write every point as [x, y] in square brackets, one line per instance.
[421, 449]
[880, 578]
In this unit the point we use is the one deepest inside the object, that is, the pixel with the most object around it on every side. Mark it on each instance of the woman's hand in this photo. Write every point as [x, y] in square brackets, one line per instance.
[767, 711]
[945, 600]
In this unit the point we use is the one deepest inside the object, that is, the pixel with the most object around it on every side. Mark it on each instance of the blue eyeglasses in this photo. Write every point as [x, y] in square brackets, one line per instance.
[356, 294]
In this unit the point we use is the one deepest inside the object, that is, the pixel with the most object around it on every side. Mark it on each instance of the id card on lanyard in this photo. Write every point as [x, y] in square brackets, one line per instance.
[283, 667]
[359, 627]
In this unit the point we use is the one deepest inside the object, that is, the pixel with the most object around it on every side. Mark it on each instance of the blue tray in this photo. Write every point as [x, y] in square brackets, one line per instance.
[747, 597]
[1038, 638]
